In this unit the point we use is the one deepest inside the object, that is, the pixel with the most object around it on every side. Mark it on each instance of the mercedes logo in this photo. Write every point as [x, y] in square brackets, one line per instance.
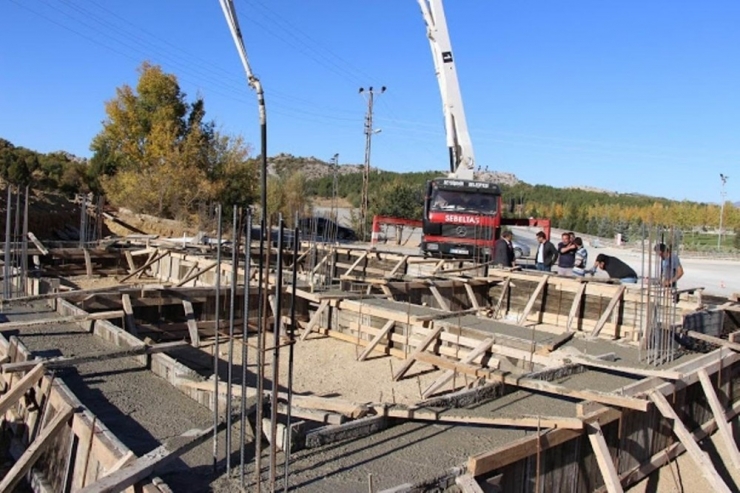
[461, 230]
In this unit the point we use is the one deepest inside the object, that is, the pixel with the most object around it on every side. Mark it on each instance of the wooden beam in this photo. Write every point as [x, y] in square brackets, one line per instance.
[532, 299]
[17, 391]
[558, 341]
[706, 338]
[145, 266]
[321, 263]
[702, 461]
[107, 315]
[187, 305]
[442, 316]
[130, 261]
[443, 304]
[471, 295]
[378, 337]
[576, 306]
[128, 310]
[725, 430]
[149, 463]
[88, 263]
[34, 451]
[502, 297]
[357, 262]
[431, 337]
[480, 350]
[604, 458]
[314, 319]
[65, 361]
[195, 275]
[519, 422]
[38, 244]
[609, 309]
[644, 372]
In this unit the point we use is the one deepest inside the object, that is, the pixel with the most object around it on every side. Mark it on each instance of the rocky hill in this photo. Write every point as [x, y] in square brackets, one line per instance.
[314, 168]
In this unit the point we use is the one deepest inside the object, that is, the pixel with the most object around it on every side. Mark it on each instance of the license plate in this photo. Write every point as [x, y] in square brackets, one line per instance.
[459, 251]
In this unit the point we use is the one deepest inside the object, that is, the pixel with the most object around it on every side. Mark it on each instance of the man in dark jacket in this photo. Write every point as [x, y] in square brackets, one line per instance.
[566, 255]
[546, 253]
[503, 251]
[616, 269]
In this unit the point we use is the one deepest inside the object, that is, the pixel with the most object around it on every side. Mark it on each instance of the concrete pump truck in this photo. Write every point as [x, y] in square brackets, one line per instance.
[462, 216]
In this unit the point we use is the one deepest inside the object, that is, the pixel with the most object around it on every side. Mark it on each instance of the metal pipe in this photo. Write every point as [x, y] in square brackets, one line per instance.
[261, 296]
[24, 254]
[291, 345]
[215, 342]
[245, 330]
[16, 235]
[6, 266]
[276, 355]
[232, 299]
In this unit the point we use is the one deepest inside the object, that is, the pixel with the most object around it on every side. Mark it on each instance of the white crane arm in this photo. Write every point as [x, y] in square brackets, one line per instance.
[462, 160]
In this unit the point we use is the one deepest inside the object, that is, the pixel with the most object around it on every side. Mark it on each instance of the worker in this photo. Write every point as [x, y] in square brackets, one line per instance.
[566, 255]
[615, 268]
[546, 253]
[579, 268]
[671, 269]
[503, 250]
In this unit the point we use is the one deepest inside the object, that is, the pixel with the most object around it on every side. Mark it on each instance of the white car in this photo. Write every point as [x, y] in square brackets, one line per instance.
[520, 249]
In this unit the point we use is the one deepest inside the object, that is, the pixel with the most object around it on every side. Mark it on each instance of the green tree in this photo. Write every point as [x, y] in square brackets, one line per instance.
[397, 199]
[736, 240]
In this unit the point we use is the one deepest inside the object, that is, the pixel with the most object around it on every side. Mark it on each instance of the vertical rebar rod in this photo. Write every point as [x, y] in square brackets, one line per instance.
[276, 355]
[291, 344]
[215, 340]
[16, 236]
[245, 331]
[24, 253]
[82, 220]
[230, 357]
[261, 295]
[643, 277]
[6, 265]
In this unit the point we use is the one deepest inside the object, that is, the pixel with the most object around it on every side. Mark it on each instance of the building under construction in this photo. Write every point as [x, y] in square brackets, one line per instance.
[265, 364]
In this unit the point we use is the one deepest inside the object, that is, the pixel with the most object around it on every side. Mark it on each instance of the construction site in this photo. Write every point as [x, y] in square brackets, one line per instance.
[261, 357]
[247, 364]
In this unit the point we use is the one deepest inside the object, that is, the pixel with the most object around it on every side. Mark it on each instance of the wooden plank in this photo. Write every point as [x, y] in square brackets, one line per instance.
[356, 263]
[442, 316]
[443, 304]
[130, 261]
[63, 361]
[604, 458]
[149, 463]
[707, 338]
[37, 242]
[518, 422]
[471, 295]
[187, 305]
[88, 262]
[378, 337]
[501, 297]
[431, 337]
[34, 451]
[107, 315]
[195, 275]
[558, 341]
[575, 307]
[18, 390]
[484, 346]
[468, 484]
[607, 398]
[609, 309]
[532, 300]
[665, 374]
[145, 266]
[702, 461]
[128, 310]
[398, 266]
[725, 430]
[315, 319]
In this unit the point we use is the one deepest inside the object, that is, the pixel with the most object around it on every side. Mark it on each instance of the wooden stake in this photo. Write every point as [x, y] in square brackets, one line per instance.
[443, 304]
[419, 349]
[575, 307]
[719, 415]
[479, 350]
[383, 333]
[609, 309]
[145, 266]
[532, 299]
[196, 275]
[502, 296]
[604, 458]
[192, 324]
[21, 387]
[128, 310]
[34, 451]
[702, 461]
[315, 319]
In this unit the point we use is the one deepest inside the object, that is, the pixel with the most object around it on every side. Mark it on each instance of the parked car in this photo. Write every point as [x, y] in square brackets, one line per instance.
[325, 229]
[520, 249]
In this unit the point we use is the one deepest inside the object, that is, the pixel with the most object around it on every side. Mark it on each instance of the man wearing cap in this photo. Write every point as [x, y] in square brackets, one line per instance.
[671, 269]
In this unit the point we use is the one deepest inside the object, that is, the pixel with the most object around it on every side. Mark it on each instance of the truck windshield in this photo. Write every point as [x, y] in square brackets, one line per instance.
[448, 200]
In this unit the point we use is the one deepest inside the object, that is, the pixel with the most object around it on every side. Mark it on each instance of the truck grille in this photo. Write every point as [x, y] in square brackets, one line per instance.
[467, 232]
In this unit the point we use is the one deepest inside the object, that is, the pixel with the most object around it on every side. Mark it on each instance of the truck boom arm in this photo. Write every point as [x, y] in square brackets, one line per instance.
[462, 160]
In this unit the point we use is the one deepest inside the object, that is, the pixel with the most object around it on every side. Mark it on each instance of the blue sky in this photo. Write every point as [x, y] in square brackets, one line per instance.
[632, 96]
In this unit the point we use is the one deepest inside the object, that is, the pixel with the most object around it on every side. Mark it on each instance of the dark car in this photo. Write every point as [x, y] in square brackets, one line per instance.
[324, 229]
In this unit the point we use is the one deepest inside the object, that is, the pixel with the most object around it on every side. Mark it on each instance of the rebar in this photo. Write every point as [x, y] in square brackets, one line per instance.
[245, 331]
[230, 356]
[24, 247]
[276, 355]
[6, 265]
[261, 298]
[216, 341]
[291, 337]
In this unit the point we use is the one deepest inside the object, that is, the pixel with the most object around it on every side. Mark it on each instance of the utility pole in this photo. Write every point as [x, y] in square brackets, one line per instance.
[334, 187]
[722, 194]
[369, 131]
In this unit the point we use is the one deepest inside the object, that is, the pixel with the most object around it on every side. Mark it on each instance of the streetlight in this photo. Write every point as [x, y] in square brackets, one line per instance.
[722, 194]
